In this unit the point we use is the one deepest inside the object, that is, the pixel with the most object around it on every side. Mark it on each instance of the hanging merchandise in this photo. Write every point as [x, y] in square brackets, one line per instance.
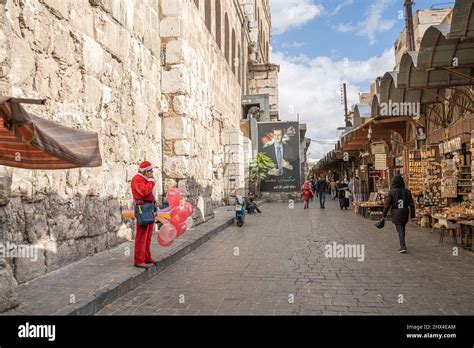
[449, 179]
[415, 173]
[432, 177]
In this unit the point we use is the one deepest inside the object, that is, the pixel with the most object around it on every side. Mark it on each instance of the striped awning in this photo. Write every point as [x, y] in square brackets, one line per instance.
[31, 142]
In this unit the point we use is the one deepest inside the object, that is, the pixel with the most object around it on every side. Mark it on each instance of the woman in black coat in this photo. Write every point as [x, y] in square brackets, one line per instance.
[400, 202]
[341, 193]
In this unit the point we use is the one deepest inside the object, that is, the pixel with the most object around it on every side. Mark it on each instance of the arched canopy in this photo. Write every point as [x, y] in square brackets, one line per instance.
[462, 25]
[375, 106]
[436, 51]
[412, 77]
[362, 111]
[390, 92]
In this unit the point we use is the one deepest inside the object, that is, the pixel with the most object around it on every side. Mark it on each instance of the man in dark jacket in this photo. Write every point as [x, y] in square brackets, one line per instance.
[400, 201]
[322, 187]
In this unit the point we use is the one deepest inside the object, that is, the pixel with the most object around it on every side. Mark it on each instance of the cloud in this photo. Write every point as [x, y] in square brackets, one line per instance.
[294, 44]
[288, 14]
[374, 22]
[311, 87]
[345, 27]
[339, 7]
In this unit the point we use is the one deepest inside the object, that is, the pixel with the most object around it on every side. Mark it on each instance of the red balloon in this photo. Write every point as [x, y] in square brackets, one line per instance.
[189, 208]
[167, 233]
[162, 243]
[179, 215]
[181, 229]
[174, 197]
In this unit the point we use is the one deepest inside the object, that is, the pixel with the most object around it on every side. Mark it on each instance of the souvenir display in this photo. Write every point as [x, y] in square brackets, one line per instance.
[415, 173]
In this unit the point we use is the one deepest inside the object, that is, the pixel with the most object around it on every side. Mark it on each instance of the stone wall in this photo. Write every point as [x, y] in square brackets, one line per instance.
[98, 65]
[151, 79]
[203, 99]
[8, 283]
[263, 79]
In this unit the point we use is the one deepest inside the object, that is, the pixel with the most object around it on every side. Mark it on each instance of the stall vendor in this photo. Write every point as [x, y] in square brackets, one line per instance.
[143, 191]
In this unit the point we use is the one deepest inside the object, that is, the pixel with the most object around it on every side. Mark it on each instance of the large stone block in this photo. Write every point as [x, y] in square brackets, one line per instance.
[8, 284]
[233, 137]
[171, 27]
[176, 128]
[176, 167]
[171, 8]
[93, 90]
[5, 186]
[180, 105]
[269, 83]
[93, 56]
[59, 7]
[175, 51]
[182, 147]
[112, 36]
[175, 80]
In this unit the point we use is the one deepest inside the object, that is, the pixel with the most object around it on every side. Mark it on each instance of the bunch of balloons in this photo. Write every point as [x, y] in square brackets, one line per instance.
[176, 219]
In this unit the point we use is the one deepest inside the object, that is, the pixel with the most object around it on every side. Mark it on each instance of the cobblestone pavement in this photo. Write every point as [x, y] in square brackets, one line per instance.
[276, 265]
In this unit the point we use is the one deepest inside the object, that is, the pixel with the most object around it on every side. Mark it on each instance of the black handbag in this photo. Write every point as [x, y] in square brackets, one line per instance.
[380, 223]
[145, 214]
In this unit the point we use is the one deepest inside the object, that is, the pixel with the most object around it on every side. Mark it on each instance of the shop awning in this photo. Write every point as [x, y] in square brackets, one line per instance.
[381, 127]
[31, 142]
[443, 60]
[375, 105]
[462, 25]
[362, 110]
[412, 77]
[389, 91]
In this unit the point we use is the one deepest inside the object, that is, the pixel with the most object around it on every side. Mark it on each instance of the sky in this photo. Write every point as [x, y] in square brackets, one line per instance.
[319, 44]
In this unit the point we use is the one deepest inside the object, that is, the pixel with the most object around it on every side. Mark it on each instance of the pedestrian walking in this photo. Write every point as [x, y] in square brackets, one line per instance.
[313, 188]
[342, 188]
[306, 194]
[400, 202]
[333, 186]
[144, 194]
[322, 187]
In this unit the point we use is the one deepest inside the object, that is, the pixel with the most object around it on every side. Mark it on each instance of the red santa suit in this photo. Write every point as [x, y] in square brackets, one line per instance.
[143, 191]
[306, 193]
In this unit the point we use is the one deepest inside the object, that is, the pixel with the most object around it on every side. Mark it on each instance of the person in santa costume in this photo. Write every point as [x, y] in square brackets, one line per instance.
[144, 192]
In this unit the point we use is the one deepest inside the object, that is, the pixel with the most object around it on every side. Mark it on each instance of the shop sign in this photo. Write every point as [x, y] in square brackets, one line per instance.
[378, 148]
[399, 161]
[450, 146]
[449, 187]
[380, 161]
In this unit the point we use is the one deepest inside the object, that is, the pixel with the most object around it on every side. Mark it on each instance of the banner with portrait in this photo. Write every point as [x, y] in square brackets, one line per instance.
[280, 141]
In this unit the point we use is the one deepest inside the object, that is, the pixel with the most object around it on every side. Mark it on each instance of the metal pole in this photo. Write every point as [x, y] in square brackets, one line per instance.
[409, 25]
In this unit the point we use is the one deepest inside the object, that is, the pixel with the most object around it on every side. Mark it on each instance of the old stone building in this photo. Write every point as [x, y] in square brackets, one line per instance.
[157, 80]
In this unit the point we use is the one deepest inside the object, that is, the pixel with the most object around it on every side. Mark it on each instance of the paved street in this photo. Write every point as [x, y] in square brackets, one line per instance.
[280, 268]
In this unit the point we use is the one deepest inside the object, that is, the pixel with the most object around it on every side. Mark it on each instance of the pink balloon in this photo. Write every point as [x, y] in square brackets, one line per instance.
[189, 208]
[174, 197]
[179, 215]
[162, 243]
[167, 233]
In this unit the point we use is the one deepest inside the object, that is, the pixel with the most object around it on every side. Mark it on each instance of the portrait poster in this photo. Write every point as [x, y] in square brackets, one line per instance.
[280, 141]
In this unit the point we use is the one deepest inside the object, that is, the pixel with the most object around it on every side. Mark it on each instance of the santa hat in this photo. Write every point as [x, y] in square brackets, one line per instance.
[145, 166]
